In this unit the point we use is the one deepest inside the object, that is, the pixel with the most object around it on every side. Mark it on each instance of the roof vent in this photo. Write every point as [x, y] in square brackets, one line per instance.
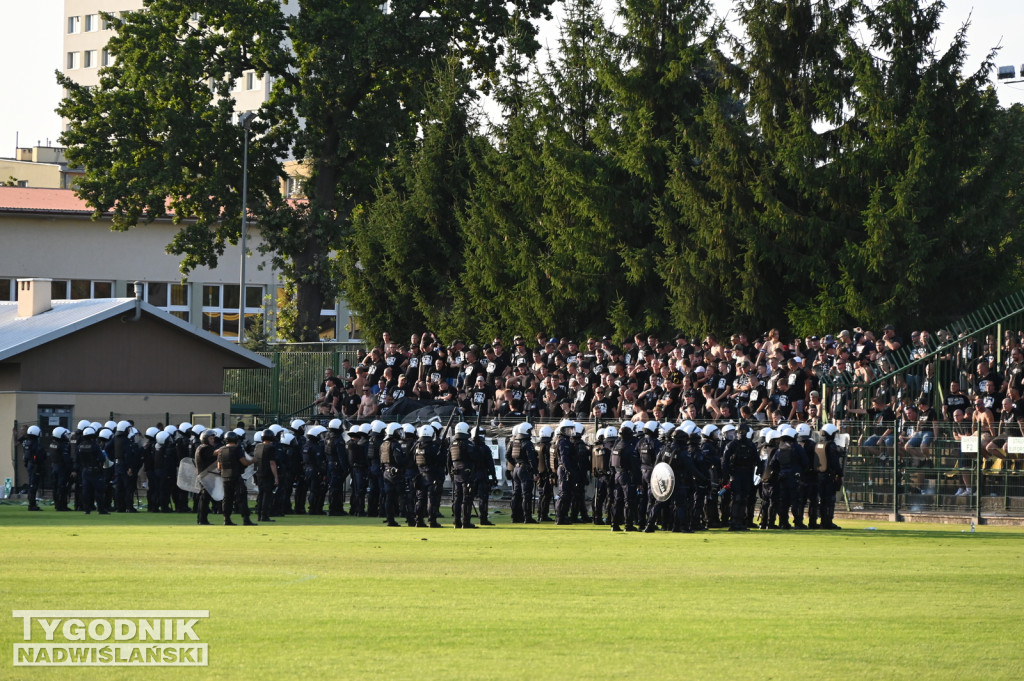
[34, 296]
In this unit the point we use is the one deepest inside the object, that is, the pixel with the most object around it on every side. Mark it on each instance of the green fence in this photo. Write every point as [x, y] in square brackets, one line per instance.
[287, 388]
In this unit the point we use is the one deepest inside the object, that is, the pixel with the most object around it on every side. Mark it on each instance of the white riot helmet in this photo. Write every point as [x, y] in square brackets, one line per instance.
[198, 429]
[787, 431]
[83, 424]
[152, 431]
[171, 429]
[106, 434]
[316, 431]
[96, 425]
[710, 431]
[59, 432]
[770, 436]
[185, 426]
[335, 424]
[394, 429]
[365, 429]
[803, 430]
[651, 427]
[729, 431]
[578, 427]
[626, 427]
[378, 426]
[409, 430]
[688, 424]
[92, 431]
[461, 428]
[525, 428]
[275, 428]
[354, 430]
[161, 437]
[123, 426]
[240, 432]
[426, 431]
[110, 425]
[566, 423]
[599, 435]
[610, 431]
[829, 430]
[34, 430]
[297, 424]
[546, 432]
[287, 438]
[666, 429]
[217, 431]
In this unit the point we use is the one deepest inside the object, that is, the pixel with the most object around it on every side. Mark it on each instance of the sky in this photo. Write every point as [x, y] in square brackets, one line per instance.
[31, 42]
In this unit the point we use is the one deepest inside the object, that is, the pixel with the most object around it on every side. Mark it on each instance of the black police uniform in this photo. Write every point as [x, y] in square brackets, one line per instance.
[90, 457]
[523, 458]
[544, 480]
[430, 464]
[579, 492]
[337, 471]
[484, 476]
[829, 483]
[314, 468]
[59, 453]
[392, 464]
[232, 463]
[568, 477]
[356, 449]
[647, 450]
[624, 461]
[601, 471]
[264, 455]
[460, 454]
[34, 456]
[205, 456]
[738, 462]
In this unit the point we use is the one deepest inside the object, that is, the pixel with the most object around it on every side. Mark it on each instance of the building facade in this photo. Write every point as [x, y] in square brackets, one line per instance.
[50, 233]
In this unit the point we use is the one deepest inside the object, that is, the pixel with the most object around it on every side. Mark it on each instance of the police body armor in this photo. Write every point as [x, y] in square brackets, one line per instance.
[59, 453]
[89, 454]
[515, 451]
[459, 451]
[647, 449]
[543, 457]
[600, 460]
[263, 454]
[373, 446]
[422, 453]
[357, 452]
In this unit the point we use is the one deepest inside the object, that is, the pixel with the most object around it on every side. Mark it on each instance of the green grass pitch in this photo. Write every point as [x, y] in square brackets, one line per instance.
[343, 598]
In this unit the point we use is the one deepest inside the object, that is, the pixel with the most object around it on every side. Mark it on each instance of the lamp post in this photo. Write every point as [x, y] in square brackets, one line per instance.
[246, 120]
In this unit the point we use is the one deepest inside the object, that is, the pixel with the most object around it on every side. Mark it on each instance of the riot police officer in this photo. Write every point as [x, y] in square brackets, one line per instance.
[647, 450]
[544, 480]
[265, 461]
[34, 456]
[430, 464]
[293, 452]
[786, 465]
[337, 468]
[568, 470]
[231, 460]
[460, 455]
[392, 463]
[356, 448]
[522, 457]
[624, 464]
[601, 471]
[59, 453]
[484, 476]
[90, 458]
[807, 491]
[830, 481]
[314, 468]
[739, 459]
[205, 456]
[578, 510]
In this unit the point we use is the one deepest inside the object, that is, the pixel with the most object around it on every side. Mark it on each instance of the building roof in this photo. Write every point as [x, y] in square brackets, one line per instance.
[21, 334]
[40, 200]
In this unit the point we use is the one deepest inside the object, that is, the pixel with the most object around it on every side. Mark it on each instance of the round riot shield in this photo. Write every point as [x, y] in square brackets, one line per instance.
[663, 481]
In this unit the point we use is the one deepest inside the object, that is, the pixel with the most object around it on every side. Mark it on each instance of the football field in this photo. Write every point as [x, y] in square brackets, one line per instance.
[345, 598]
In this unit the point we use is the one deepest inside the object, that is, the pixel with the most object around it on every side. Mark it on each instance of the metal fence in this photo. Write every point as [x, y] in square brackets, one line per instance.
[287, 388]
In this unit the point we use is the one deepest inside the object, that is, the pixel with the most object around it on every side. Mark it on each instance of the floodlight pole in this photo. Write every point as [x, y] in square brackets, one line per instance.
[246, 120]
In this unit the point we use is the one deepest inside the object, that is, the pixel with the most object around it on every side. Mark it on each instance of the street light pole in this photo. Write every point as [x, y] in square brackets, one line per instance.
[246, 120]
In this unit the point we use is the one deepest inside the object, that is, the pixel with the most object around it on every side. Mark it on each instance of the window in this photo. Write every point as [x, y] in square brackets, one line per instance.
[74, 24]
[107, 24]
[92, 23]
[328, 322]
[169, 296]
[74, 60]
[295, 187]
[220, 308]
[59, 290]
[22, 183]
[250, 81]
[106, 59]
[7, 290]
[83, 289]
[89, 58]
